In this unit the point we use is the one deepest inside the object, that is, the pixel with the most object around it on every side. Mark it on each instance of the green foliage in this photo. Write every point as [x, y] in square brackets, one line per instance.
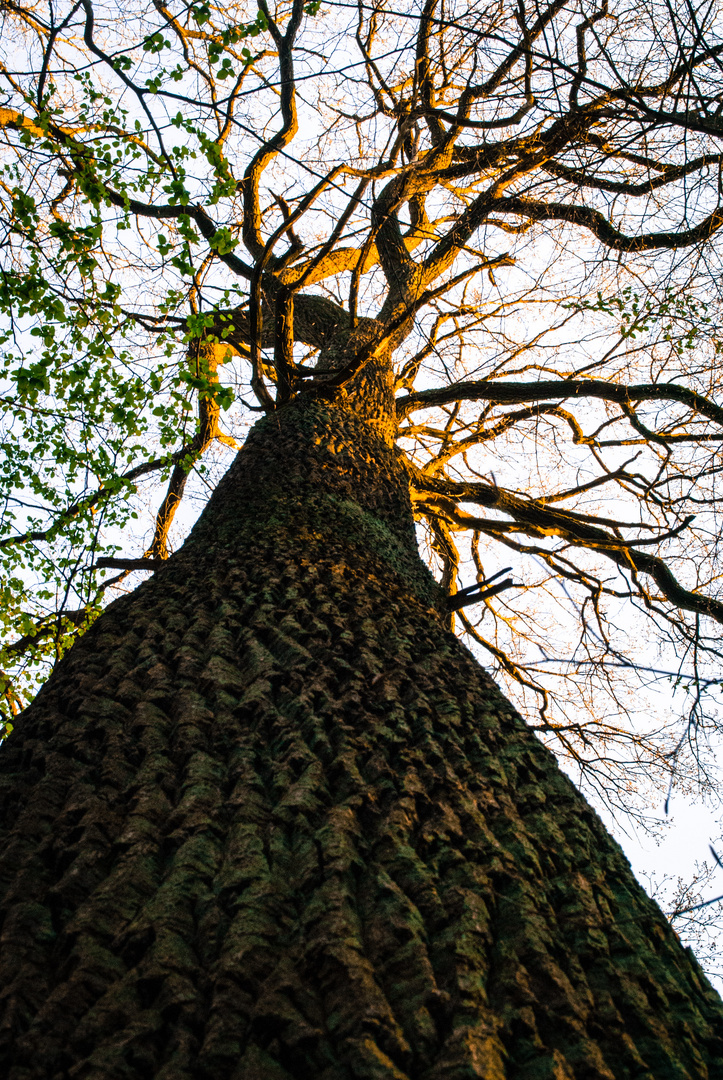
[97, 383]
[678, 317]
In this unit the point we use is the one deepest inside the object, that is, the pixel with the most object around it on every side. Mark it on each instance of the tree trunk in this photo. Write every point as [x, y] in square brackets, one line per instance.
[270, 820]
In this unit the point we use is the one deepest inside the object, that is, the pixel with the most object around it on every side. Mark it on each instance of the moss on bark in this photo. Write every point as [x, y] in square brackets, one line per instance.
[269, 820]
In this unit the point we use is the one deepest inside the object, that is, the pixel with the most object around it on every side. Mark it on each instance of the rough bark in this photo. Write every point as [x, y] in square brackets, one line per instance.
[269, 820]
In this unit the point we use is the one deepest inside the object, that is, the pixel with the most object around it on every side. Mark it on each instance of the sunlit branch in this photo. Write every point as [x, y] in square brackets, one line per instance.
[541, 520]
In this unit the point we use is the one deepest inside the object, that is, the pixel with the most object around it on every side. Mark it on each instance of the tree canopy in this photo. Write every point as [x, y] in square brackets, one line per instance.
[210, 209]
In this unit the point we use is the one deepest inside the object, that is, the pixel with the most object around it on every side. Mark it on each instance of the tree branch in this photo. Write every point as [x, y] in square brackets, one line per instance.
[502, 393]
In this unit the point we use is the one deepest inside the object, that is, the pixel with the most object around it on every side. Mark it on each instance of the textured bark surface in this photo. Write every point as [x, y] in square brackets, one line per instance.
[269, 820]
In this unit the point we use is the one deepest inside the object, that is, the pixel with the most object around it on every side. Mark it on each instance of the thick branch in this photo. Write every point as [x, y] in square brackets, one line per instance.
[317, 321]
[583, 177]
[574, 528]
[559, 390]
[604, 230]
[289, 126]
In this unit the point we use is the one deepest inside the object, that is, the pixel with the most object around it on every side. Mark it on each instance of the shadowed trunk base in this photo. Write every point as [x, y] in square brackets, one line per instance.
[270, 821]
